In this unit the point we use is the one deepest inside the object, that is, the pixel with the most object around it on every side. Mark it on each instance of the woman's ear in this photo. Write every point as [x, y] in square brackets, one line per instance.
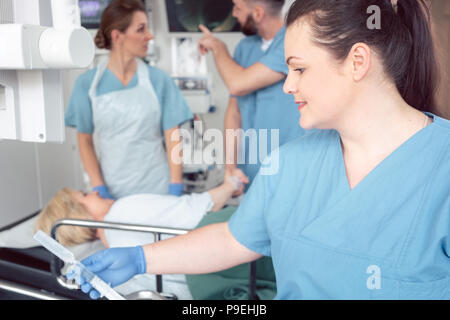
[360, 60]
[115, 36]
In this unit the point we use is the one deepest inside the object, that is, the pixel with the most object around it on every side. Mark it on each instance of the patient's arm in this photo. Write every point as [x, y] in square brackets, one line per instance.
[221, 194]
[205, 250]
[101, 236]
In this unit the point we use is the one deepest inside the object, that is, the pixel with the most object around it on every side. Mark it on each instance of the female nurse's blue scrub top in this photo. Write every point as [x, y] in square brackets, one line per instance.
[328, 241]
[174, 109]
[268, 108]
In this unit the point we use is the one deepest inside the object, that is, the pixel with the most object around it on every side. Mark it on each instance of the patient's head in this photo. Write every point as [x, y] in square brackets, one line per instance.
[71, 204]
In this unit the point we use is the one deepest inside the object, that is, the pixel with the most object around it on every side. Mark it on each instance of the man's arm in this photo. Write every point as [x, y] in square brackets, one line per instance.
[240, 81]
[174, 154]
[232, 126]
[233, 129]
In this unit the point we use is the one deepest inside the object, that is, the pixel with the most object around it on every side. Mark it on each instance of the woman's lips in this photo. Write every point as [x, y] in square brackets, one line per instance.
[301, 104]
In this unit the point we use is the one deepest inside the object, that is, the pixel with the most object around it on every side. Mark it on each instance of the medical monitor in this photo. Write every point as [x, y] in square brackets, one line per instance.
[91, 12]
[186, 15]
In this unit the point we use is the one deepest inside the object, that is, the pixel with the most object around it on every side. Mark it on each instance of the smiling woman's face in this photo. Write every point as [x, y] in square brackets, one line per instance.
[321, 86]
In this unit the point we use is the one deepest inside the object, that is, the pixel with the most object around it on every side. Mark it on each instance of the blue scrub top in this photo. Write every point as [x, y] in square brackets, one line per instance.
[174, 110]
[388, 238]
[267, 108]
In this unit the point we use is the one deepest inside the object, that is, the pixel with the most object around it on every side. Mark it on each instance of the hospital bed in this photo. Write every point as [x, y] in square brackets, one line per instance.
[28, 271]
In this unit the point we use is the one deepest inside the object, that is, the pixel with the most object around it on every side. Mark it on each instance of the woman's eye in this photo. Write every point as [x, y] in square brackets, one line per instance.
[301, 70]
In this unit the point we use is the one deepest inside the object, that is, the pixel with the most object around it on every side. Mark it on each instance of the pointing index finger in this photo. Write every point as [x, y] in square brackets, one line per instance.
[204, 29]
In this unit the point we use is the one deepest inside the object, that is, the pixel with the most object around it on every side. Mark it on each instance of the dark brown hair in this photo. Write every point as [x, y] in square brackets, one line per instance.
[117, 15]
[274, 6]
[404, 41]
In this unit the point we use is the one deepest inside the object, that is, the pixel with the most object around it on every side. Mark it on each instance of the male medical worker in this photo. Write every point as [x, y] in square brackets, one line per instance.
[255, 78]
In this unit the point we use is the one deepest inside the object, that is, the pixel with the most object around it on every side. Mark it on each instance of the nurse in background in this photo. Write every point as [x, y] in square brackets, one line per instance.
[125, 111]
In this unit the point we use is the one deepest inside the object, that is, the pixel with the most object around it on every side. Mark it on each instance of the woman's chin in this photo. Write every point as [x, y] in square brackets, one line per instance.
[305, 124]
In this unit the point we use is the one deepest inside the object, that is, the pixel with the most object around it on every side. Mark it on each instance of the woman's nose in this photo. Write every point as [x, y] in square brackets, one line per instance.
[289, 86]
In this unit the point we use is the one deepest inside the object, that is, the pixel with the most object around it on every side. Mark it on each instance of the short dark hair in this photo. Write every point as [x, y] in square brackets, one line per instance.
[274, 6]
[404, 41]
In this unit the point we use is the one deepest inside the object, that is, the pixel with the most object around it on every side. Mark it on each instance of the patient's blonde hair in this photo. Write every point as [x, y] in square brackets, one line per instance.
[65, 206]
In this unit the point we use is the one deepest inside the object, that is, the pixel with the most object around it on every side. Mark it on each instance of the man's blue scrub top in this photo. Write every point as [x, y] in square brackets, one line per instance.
[387, 238]
[268, 108]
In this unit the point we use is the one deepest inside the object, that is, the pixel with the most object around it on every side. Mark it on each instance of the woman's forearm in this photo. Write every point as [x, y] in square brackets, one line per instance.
[205, 250]
[89, 159]
[174, 154]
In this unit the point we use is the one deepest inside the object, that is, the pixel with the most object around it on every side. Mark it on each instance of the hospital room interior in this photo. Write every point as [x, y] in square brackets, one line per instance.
[46, 154]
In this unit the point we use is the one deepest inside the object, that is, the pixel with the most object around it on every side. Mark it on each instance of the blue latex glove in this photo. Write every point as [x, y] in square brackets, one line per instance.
[103, 191]
[114, 266]
[176, 189]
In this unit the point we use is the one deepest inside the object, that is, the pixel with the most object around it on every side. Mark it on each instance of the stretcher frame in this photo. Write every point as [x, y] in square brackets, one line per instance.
[56, 264]
[73, 289]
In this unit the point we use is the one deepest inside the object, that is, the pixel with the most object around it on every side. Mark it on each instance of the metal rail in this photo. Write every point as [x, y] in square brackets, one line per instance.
[27, 291]
[56, 264]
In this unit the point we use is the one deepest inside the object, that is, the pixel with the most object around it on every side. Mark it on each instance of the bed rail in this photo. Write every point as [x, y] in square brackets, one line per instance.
[29, 292]
[56, 264]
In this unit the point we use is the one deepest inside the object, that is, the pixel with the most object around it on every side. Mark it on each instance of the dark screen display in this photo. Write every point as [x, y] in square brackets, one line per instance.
[91, 12]
[186, 15]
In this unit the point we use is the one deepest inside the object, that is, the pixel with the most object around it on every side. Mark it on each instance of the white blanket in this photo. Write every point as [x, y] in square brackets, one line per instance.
[155, 210]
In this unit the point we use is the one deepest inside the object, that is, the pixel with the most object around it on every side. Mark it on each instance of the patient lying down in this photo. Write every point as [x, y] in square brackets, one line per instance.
[145, 209]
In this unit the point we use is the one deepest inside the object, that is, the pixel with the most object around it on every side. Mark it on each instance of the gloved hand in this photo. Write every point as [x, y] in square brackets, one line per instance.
[176, 189]
[103, 191]
[114, 266]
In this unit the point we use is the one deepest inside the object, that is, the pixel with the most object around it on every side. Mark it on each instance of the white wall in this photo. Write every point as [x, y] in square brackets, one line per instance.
[31, 173]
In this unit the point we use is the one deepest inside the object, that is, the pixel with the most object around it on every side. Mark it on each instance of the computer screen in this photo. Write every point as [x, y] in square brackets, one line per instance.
[186, 15]
[91, 12]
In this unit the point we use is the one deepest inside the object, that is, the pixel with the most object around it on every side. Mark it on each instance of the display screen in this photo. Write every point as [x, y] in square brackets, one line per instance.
[91, 12]
[186, 15]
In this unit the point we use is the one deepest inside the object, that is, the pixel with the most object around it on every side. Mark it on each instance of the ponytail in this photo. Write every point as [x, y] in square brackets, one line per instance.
[419, 83]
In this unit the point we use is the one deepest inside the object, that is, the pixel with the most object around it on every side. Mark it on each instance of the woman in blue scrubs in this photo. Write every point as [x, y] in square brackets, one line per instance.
[127, 113]
[360, 206]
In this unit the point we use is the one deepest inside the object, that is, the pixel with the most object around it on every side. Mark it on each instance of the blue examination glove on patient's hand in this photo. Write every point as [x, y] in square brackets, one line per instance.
[103, 191]
[114, 266]
[176, 189]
